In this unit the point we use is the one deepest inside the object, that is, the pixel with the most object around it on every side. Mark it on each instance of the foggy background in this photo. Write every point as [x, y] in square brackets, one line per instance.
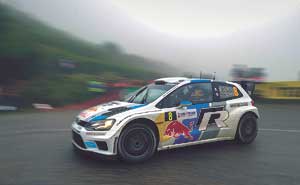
[193, 36]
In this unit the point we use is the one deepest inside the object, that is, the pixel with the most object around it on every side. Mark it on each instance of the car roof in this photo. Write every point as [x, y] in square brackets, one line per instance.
[181, 79]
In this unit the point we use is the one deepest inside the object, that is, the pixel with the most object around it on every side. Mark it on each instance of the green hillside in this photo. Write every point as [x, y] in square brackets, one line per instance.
[35, 52]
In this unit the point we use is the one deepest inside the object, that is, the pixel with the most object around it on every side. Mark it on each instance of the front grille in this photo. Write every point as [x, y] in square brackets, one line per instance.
[78, 140]
[102, 145]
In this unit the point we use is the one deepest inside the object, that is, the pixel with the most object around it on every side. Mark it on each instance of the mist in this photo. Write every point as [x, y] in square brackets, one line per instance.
[267, 37]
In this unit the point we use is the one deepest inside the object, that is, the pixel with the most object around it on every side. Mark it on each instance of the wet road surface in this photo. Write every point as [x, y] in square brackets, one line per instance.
[36, 150]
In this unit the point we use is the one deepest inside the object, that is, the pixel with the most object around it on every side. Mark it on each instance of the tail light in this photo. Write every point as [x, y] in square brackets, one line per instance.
[252, 102]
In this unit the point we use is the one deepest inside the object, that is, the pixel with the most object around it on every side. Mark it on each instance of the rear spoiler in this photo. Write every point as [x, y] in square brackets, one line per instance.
[248, 86]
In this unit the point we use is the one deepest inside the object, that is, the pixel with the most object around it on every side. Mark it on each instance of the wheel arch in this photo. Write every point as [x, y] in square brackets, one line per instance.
[251, 113]
[248, 112]
[147, 122]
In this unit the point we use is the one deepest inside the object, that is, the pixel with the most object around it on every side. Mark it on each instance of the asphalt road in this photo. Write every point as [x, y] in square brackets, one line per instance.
[35, 149]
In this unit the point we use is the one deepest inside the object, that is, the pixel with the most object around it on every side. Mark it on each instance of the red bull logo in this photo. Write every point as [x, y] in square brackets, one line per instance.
[175, 129]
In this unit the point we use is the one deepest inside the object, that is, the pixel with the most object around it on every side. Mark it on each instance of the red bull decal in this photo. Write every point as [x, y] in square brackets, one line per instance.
[176, 129]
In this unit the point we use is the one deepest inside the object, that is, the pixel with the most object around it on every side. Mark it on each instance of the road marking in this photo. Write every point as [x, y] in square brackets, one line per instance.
[279, 130]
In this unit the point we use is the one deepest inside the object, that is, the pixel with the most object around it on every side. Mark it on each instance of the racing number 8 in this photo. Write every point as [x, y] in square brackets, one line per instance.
[170, 116]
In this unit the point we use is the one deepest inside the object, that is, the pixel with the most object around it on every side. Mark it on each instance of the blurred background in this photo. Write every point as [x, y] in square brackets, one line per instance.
[58, 54]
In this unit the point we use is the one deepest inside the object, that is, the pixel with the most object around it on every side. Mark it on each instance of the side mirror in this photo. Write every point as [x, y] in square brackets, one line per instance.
[185, 104]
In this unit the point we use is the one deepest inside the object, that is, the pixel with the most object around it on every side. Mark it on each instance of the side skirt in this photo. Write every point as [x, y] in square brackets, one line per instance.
[194, 143]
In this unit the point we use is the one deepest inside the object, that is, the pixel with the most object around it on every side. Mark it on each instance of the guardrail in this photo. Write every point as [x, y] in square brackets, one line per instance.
[289, 90]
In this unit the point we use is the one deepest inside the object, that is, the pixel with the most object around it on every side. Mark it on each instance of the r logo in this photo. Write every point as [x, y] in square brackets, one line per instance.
[212, 115]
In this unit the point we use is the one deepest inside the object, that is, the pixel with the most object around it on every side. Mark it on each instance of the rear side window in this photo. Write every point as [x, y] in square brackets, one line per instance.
[224, 91]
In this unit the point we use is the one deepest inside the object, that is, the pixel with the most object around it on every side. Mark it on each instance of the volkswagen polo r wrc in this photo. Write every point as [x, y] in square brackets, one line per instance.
[168, 113]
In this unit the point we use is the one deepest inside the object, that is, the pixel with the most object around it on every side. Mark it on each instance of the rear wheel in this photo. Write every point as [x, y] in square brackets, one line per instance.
[247, 129]
[137, 142]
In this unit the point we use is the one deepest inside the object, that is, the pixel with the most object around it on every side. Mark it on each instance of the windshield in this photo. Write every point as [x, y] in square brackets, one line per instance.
[149, 93]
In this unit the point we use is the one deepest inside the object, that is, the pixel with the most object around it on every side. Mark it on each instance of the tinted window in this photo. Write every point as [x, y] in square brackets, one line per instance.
[224, 91]
[195, 93]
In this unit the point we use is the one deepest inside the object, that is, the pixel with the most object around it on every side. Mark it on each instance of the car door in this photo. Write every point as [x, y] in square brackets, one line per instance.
[212, 119]
[227, 98]
[182, 112]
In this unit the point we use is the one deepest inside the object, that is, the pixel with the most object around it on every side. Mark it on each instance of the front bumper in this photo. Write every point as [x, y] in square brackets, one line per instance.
[101, 142]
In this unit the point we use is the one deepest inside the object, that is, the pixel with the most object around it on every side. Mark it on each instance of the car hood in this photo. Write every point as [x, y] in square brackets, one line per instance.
[106, 110]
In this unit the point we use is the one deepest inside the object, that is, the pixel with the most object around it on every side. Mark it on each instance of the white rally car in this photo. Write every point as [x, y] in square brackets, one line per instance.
[168, 113]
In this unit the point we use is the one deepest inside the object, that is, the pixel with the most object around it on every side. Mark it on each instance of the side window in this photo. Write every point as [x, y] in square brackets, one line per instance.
[224, 91]
[195, 93]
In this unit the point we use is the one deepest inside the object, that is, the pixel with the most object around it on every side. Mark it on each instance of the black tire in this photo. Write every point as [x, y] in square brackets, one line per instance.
[247, 129]
[137, 143]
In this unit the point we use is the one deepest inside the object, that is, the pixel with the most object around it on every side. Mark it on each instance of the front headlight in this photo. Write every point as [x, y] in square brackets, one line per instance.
[103, 125]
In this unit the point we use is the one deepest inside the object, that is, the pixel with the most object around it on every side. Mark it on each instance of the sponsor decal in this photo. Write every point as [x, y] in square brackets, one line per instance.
[95, 133]
[187, 114]
[239, 104]
[218, 104]
[176, 129]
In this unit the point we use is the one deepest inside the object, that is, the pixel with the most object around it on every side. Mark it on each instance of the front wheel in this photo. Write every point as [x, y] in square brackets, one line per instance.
[247, 129]
[137, 143]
